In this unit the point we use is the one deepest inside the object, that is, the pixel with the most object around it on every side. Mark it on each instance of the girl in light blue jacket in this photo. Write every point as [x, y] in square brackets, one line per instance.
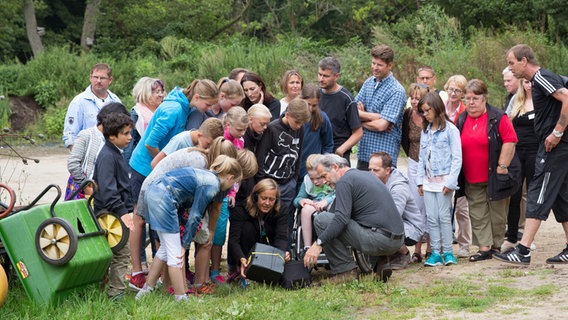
[438, 170]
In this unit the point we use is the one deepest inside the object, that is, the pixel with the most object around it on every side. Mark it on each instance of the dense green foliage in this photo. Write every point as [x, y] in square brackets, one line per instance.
[427, 36]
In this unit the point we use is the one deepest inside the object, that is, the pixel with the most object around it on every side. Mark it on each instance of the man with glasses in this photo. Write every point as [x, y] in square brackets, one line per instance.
[83, 109]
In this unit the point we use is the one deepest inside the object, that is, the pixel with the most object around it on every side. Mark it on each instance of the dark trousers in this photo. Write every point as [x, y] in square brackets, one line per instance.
[527, 158]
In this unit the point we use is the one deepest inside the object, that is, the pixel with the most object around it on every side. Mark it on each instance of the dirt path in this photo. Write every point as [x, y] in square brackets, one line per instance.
[29, 180]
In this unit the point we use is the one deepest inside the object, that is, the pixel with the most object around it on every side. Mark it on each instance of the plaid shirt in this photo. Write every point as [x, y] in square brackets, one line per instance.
[387, 98]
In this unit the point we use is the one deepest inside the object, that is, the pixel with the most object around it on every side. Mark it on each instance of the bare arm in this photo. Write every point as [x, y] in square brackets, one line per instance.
[356, 135]
[562, 96]
[161, 155]
[377, 125]
[506, 156]
[153, 151]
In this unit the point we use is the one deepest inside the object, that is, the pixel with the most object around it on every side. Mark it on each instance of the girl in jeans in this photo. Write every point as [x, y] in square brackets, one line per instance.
[438, 169]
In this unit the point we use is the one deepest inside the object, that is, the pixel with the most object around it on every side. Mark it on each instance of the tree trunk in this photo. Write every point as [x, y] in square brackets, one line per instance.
[31, 27]
[90, 24]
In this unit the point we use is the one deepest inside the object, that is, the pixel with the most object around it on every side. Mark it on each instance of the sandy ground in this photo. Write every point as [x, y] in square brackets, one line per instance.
[29, 180]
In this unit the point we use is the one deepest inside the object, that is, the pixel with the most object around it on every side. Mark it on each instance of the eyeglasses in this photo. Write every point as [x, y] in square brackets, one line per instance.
[473, 99]
[425, 111]
[424, 78]
[100, 78]
[454, 90]
[158, 92]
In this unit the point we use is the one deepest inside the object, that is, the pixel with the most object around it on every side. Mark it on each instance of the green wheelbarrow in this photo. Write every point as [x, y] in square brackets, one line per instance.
[59, 247]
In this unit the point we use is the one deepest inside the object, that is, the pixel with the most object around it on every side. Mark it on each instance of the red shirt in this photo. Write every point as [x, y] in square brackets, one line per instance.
[475, 146]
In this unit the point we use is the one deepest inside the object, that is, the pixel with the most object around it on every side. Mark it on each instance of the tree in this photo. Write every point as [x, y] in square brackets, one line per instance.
[31, 27]
[90, 24]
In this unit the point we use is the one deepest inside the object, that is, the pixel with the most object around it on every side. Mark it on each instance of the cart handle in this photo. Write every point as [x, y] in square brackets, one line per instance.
[33, 203]
[10, 206]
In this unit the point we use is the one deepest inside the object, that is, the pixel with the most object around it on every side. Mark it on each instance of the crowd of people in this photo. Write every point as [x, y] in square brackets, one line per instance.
[199, 160]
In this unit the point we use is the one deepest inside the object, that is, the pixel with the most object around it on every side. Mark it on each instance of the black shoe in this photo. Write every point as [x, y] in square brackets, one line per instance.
[561, 258]
[480, 256]
[515, 257]
[382, 269]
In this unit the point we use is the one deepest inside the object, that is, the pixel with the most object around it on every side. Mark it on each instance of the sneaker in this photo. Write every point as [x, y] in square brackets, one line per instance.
[244, 283]
[434, 260]
[463, 252]
[399, 261]
[480, 256]
[514, 257]
[137, 282]
[508, 245]
[205, 288]
[117, 297]
[218, 279]
[144, 291]
[560, 258]
[416, 258]
[449, 259]
[233, 276]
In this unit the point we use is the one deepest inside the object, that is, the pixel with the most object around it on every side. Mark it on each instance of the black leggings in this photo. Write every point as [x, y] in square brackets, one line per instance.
[527, 158]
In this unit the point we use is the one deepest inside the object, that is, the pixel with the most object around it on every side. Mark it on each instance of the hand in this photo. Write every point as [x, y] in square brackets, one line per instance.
[320, 205]
[551, 142]
[420, 192]
[287, 257]
[340, 151]
[127, 220]
[231, 201]
[311, 257]
[181, 257]
[500, 170]
[360, 106]
[88, 190]
[445, 190]
[243, 267]
[306, 202]
[261, 101]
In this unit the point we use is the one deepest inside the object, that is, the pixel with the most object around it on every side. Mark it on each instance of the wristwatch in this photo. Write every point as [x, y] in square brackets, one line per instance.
[502, 166]
[557, 134]
[318, 242]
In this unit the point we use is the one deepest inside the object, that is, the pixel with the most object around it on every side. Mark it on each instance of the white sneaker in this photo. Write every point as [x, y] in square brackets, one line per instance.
[144, 291]
[463, 252]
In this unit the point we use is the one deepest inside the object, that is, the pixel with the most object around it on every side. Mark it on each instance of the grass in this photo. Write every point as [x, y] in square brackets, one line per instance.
[367, 299]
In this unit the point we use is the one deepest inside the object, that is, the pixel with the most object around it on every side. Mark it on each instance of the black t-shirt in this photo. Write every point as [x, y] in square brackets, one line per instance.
[341, 109]
[547, 108]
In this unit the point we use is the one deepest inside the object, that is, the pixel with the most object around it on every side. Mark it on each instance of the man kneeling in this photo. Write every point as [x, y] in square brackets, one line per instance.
[364, 217]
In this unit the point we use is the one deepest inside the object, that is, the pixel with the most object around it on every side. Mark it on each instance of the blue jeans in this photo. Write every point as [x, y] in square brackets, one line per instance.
[439, 213]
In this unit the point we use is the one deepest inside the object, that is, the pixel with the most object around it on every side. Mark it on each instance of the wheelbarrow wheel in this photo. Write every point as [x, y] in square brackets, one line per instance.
[116, 231]
[56, 241]
[8, 195]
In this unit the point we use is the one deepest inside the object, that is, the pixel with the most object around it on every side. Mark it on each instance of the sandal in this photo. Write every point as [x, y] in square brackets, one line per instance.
[416, 258]
[480, 256]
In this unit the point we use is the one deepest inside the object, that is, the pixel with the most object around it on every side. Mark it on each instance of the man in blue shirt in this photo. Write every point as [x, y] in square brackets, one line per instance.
[83, 109]
[380, 103]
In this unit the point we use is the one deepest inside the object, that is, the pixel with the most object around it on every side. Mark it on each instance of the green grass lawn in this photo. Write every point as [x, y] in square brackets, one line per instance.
[367, 299]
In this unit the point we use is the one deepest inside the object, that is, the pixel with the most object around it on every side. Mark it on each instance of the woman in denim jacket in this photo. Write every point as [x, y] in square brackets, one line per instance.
[438, 170]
